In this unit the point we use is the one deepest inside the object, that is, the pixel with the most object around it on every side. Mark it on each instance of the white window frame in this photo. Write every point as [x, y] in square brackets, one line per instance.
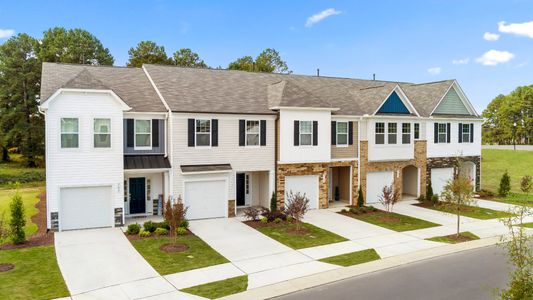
[347, 133]
[300, 134]
[61, 133]
[445, 133]
[109, 133]
[463, 133]
[206, 133]
[380, 133]
[395, 133]
[246, 133]
[135, 135]
[406, 133]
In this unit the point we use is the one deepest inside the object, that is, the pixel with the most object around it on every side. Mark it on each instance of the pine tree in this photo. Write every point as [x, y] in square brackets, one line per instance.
[505, 185]
[429, 193]
[360, 198]
[18, 220]
[273, 202]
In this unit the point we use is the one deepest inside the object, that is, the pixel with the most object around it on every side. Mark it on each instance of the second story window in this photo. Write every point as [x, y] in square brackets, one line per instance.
[143, 136]
[380, 133]
[406, 133]
[342, 133]
[417, 131]
[69, 133]
[465, 133]
[442, 133]
[306, 133]
[203, 132]
[391, 133]
[252, 133]
[102, 133]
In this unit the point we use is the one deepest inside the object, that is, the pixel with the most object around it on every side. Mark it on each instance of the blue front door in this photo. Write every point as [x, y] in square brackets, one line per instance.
[137, 195]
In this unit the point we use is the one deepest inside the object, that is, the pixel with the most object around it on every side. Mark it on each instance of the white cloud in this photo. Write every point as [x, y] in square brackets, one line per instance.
[489, 36]
[522, 29]
[312, 20]
[495, 57]
[5, 33]
[434, 70]
[461, 61]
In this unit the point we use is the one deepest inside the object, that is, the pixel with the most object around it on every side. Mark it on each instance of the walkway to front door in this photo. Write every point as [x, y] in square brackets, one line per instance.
[137, 195]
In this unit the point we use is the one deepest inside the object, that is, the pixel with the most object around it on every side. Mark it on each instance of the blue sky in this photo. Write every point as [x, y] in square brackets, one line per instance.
[413, 41]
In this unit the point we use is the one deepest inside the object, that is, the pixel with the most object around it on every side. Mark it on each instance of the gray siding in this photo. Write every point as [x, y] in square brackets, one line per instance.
[451, 104]
[156, 150]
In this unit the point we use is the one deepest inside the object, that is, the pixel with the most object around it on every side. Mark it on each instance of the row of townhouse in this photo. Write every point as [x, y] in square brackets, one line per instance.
[119, 141]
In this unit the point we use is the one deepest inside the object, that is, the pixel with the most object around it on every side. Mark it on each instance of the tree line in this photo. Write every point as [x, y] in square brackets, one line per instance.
[21, 57]
[509, 118]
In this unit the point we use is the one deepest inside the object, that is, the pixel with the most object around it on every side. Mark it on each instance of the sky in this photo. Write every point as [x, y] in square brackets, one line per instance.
[486, 45]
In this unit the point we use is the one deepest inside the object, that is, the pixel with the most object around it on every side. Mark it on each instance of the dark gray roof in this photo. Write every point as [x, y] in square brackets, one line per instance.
[426, 96]
[130, 84]
[205, 168]
[146, 162]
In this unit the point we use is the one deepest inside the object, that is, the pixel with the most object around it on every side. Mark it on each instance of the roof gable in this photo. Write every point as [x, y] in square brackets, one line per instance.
[451, 104]
[393, 105]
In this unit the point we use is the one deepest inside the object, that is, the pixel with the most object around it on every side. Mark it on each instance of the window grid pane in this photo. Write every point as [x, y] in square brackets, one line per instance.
[142, 126]
[252, 139]
[417, 131]
[69, 140]
[69, 125]
[252, 126]
[102, 140]
[342, 139]
[392, 130]
[102, 125]
[306, 127]
[203, 126]
[305, 139]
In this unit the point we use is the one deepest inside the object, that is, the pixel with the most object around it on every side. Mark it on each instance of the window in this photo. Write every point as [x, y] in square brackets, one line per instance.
[442, 133]
[102, 133]
[406, 133]
[306, 133]
[69, 133]
[417, 131]
[392, 131]
[252, 133]
[380, 133]
[466, 133]
[143, 134]
[342, 133]
[203, 132]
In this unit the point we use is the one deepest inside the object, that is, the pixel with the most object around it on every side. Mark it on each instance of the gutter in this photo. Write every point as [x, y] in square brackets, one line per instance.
[276, 149]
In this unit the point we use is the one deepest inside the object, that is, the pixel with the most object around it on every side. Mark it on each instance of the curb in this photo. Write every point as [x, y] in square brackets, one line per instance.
[302, 283]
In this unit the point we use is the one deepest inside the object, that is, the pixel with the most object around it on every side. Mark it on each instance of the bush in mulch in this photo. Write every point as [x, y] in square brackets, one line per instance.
[173, 247]
[356, 210]
[271, 216]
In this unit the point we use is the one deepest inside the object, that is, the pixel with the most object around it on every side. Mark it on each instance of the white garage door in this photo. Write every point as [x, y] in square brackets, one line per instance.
[375, 181]
[85, 207]
[307, 184]
[439, 178]
[206, 199]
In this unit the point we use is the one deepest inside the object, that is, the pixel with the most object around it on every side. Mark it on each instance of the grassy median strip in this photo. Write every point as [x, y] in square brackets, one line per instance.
[454, 239]
[287, 234]
[353, 258]
[389, 220]
[219, 289]
[475, 212]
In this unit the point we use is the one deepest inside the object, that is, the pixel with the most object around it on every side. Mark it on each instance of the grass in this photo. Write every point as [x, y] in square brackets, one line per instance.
[30, 197]
[353, 258]
[15, 171]
[475, 212]
[515, 198]
[393, 221]
[528, 225]
[198, 255]
[35, 276]
[314, 236]
[447, 239]
[218, 289]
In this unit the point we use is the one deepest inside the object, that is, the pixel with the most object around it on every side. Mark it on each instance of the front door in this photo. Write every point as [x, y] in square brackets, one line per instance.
[137, 196]
[241, 197]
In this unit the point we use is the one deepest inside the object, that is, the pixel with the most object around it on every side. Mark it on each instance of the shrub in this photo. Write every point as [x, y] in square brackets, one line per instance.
[184, 223]
[277, 220]
[344, 210]
[297, 207]
[337, 194]
[429, 192]
[18, 220]
[526, 184]
[251, 213]
[149, 226]
[145, 233]
[161, 231]
[272, 215]
[505, 185]
[485, 194]
[290, 219]
[273, 202]
[133, 229]
[360, 198]
[175, 214]
[181, 231]
[163, 224]
[264, 220]
[389, 197]
[435, 199]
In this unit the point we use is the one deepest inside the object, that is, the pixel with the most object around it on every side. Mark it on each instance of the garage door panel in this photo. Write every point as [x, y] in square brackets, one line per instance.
[439, 179]
[85, 207]
[375, 181]
[206, 199]
[307, 184]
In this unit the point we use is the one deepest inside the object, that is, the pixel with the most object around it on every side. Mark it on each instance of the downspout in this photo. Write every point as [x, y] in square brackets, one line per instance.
[276, 156]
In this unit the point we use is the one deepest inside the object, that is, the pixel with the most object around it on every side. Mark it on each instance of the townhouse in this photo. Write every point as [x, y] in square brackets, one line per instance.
[121, 141]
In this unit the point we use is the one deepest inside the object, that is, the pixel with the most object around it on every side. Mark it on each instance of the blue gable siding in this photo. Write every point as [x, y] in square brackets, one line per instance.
[393, 105]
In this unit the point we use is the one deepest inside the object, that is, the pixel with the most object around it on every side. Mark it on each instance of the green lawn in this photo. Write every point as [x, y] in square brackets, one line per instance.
[354, 258]
[447, 239]
[515, 198]
[313, 237]
[35, 276]
[393, 221]
[15, 171]
[220, 288]
[30, 197]
[473, 212]
[198, 255]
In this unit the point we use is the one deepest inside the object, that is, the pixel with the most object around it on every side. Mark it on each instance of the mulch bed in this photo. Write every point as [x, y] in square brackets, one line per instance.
[41, 237]
[431, 205]
[460, 238]
[135, 237]
[173, 247]
[291, 230]
[6, 267]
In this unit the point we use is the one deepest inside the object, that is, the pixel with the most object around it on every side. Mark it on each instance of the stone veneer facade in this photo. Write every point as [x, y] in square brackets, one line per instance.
[231, 208]
[419, 161]
[451, 162]
[320, 169]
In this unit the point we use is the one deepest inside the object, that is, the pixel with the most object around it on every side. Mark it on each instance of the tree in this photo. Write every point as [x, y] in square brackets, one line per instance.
[245, 63]
[389, 197]
[73, 46]
[273, 202]
[526, 184]
[20, 74]
[18, 220]
[457, 194]
[505, 185]
[429, 193]
[175, 215]
[360, 198]
[268, 61]
[147, 52]
[297, 206]
[186, 58]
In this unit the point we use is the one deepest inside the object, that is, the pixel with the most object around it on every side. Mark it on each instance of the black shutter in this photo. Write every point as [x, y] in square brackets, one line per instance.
[471, 132]
[333, 132]
[130, 133]
[296, 133]
[448, 132]
[242, 133]
[460, 131]
[214, 133]
[350, 133]
[436, 133]
[190, 129]
[263, 128]
[315, 133]
[155, 133]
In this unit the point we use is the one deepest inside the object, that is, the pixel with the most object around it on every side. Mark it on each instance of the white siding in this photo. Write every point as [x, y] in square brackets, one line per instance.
[454, 148]
[83, 166]
[387, 151]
